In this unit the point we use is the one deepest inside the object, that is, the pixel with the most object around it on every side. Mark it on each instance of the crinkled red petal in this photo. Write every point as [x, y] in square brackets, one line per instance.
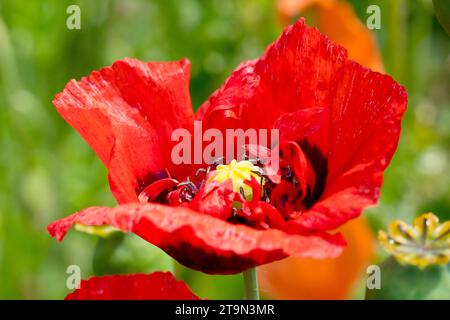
[154, 190]
[127, 113]
[364, 133]
[155, 286]
[301, 70]
[264, 156]
[214, 199]
[295, 126]
[202, 242]
[296, 158]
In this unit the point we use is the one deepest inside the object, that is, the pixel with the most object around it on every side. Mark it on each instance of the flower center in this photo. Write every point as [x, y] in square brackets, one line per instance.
[238, 173]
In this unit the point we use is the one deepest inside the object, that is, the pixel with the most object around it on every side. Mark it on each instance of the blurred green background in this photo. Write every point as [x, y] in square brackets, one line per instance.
[47, 171]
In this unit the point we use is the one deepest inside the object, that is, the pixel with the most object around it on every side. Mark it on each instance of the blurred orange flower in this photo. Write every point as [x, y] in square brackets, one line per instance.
[295, 278]
[337, 20]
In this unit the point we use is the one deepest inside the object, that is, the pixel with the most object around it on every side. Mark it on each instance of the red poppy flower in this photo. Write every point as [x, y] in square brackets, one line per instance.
[338, 122]
[155, 286]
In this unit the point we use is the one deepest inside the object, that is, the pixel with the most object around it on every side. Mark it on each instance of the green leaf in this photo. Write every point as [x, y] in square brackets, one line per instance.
[404, 282]
[127, 253]
[442, 10]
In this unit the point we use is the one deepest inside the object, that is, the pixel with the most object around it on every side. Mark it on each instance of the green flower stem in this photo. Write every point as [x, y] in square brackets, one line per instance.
[397, 29]
[251, 284]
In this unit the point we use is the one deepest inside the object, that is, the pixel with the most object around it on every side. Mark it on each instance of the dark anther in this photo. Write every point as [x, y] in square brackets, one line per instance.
[233, 212]
[205, 171]
[259, 172]
[241, 191]
[216, 162]
[188, 190]
[255, 161]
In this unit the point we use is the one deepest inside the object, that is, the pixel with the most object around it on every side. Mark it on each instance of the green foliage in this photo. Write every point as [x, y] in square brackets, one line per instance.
[442, 10]
[127, 253]
[399, 282]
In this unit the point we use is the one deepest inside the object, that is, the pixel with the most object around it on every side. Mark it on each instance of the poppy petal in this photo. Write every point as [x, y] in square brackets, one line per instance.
[154, 190]
[298, 71]
[114, 110]
[304, 70]
[227, 102]
[155, 286]
[214, 199]
[365, 129]
[202, 242]
[297, 125]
